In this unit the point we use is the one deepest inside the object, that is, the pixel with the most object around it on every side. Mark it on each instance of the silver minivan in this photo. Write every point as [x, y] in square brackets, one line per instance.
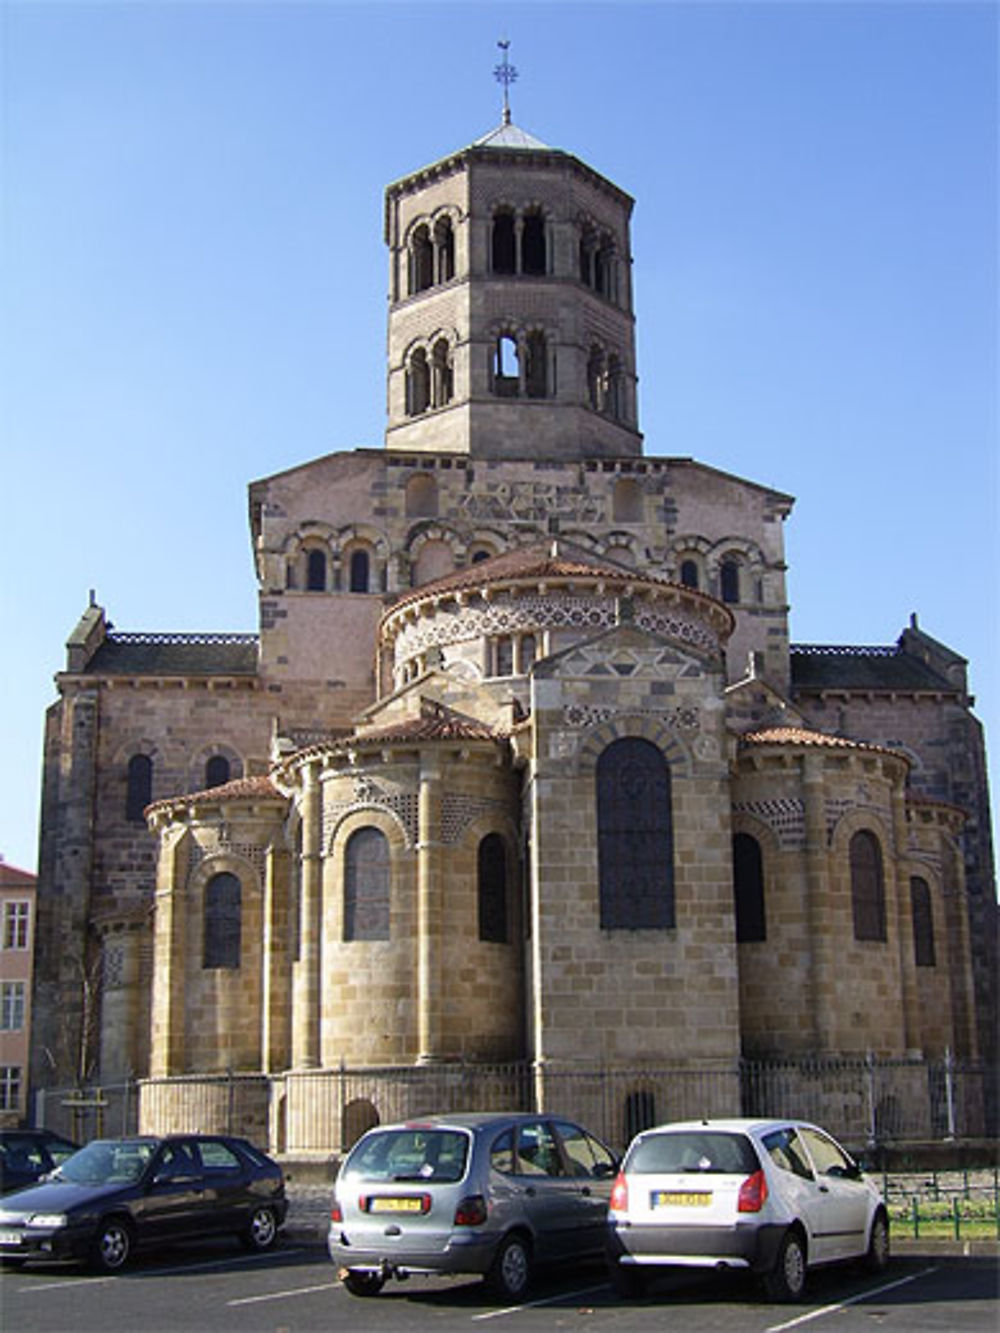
[490, 1193]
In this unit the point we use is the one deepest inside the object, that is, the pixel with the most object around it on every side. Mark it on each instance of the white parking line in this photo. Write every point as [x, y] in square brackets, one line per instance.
[533, 1305]
[852, 1300]
[283, 1295]
[206, 1265]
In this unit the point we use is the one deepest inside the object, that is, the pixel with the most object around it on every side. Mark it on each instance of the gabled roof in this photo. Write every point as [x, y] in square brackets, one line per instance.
[175, 655]
[831, 667]
[239, 789]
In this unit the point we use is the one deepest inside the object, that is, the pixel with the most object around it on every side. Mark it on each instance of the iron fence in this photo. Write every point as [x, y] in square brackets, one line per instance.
[867, 1102]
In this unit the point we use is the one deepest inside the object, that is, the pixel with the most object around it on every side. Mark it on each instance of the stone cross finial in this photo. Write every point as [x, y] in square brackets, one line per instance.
[505, 74]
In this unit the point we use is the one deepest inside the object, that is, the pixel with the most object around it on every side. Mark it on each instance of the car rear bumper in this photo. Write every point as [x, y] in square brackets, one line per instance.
[471, 1253]
[739, 1246]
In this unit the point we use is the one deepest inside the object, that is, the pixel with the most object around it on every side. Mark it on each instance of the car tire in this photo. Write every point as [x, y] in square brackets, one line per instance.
[112, 1246]
[876, 1258]
[627, 1281]
[787, 1279]
[261, 1231]
[510, 1271]
[363, 1284]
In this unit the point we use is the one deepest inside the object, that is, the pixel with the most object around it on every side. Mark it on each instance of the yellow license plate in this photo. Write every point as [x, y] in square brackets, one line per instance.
[681, 1199]
[396, 1204]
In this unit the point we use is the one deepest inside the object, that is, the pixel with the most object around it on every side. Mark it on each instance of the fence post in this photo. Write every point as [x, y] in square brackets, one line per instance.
[870, 1093]
[949, 1090]
[230, 1098]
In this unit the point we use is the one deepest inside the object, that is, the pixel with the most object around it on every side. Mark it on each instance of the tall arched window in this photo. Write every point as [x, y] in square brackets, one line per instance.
[689, 573]
[442, 375]
[492, 887]
[867, 887]
[216, 771]
[366, 885]
[359, 571]
[139, 788]
[316, 571]
[729, 581]
[223, 921]
[748, 889]
[421, 261]
[444, 249]
[504, 247]
[536, 371]
[418, 384]
[533, 243]
[506, 367]
[635, 837]
[923, 922]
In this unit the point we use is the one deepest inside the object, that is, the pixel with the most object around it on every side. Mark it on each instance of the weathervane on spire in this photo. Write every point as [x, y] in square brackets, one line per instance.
[505, 73]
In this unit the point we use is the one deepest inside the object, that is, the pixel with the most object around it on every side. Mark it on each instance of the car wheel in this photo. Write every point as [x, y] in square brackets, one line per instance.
[510, 1271]
[787, 1279]
[363, 1284]
[261, 1231]
[627, 1281]
[877, 1255]
[112, 1245]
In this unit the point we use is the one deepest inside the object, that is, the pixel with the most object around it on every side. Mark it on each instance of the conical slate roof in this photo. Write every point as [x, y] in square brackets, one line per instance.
[507, 135]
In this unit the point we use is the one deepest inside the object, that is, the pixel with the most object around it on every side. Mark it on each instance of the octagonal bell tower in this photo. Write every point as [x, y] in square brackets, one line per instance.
[511, 332]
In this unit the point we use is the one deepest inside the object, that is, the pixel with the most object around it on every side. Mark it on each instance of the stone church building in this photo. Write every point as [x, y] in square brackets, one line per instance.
[520, 765]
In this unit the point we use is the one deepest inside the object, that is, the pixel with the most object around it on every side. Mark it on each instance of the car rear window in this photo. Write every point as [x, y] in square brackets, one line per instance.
[715, 1153]
[410, 1154]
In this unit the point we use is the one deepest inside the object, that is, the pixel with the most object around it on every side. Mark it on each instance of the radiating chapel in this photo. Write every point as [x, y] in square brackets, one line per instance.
[520, 764]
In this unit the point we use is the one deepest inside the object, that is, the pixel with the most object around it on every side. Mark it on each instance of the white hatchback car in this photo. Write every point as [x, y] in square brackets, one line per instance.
[776, 1197]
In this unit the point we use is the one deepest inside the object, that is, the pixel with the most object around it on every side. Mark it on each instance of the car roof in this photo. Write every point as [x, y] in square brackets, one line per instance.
[731, 1125]
[466, 1120]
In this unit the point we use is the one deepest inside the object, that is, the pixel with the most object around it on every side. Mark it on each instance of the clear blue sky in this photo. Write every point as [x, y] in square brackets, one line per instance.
[194, 285]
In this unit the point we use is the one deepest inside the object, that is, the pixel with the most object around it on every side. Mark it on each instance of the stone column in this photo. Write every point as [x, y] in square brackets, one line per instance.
[429, 912]
[904, 928]
[821, 933]
[169, 958]
[306, 987]
[275, 988]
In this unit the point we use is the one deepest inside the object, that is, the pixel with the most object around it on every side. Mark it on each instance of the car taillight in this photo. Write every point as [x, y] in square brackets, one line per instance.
[336, 1212]
[471, 1211]
[753, 1194]
[619, 1194]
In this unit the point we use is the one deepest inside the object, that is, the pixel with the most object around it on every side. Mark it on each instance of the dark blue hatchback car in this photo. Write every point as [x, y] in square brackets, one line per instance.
[115, 1195]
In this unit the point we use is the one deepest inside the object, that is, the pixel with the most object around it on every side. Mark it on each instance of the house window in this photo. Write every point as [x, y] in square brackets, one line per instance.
[635, 837]
[506, 367]
[316, 571]
[536, 371]
[139, 787]
[359, 571]
[16, 917]
[503, 656]
[10, 1087]
[748, 889]
[217, 771]
[867, 888]
[528, 652]
[923, 922]
[366, 885]
[492, 875]
[729, 581]
[689, 573]
[223, 921]
[442, 375]
[11, 1006]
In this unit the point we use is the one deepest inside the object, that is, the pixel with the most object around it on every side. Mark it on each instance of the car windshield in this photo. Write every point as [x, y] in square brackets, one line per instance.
[107, 1162]
[410, 1154]
[688, 1150]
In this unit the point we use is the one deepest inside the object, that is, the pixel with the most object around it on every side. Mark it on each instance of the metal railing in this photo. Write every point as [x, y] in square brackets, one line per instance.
[866, 1101]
